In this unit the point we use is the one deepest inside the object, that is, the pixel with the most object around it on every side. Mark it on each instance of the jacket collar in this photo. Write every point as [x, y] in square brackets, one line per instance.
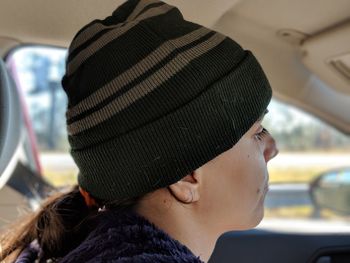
[125, 236]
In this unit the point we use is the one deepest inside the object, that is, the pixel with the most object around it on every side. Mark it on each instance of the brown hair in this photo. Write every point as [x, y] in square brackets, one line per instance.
[61, 224]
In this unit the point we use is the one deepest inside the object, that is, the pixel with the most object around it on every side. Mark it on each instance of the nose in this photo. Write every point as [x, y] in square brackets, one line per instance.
[271, 149]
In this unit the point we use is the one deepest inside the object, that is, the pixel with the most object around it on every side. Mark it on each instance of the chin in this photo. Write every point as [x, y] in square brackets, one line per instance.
[260, 216]
[249, 222]
[253, 222]
[257, 217]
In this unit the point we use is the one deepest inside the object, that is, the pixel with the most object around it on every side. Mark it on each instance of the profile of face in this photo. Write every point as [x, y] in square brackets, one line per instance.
[229, 191]
[234, 184]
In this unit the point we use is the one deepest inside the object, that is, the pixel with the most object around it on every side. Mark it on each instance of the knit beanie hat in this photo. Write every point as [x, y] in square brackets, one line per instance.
[152, 97]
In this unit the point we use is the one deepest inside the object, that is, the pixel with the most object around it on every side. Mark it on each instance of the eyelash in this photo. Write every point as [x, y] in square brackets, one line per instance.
[261, 134]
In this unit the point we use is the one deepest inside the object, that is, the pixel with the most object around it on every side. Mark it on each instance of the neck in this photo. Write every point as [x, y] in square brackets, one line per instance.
[183, 223]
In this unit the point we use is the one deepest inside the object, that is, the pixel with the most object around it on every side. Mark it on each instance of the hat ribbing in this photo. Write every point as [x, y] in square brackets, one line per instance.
[152, 97]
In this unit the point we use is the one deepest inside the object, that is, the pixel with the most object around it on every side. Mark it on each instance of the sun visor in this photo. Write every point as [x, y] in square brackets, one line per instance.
[327, 54]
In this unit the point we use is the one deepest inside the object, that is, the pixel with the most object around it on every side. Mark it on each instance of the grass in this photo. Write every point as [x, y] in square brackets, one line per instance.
[289, 212]
[294, 174]
[61, 178]
[302, 212]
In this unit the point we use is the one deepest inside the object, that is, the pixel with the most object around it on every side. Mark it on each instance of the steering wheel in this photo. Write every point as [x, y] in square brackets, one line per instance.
[11, 125]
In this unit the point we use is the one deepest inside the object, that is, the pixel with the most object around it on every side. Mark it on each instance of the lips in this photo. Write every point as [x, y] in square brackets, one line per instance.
[266, 189]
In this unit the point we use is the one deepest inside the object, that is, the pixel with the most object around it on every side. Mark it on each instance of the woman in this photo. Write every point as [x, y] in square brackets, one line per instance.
[164, 122]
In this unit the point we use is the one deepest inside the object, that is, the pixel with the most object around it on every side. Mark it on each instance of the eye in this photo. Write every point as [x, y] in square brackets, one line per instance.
[262, 134]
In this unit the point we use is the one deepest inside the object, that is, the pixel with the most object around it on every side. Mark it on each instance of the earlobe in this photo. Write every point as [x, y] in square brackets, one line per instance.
[186, 190]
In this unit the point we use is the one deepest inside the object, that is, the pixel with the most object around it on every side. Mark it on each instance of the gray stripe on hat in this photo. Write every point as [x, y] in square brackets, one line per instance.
[89, 33]
[110, 36]
[96, 28]
[145, 87]
[140, 6]
[137, 70]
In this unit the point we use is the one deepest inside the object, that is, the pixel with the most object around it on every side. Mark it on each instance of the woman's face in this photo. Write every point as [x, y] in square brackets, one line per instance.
[234, 184]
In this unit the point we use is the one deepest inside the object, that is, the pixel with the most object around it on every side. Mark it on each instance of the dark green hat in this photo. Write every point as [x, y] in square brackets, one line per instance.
[152, 97]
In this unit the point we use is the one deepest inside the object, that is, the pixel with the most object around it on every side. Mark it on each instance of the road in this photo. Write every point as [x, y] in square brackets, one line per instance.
[282, 195]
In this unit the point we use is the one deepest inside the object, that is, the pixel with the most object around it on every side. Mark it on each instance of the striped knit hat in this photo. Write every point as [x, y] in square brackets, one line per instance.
[152, 97]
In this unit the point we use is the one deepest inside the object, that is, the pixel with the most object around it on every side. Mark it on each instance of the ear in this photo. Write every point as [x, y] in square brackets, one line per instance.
[187, 189]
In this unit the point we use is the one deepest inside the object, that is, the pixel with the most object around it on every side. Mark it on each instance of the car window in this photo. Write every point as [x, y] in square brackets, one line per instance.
[308, 147]
[38, 72]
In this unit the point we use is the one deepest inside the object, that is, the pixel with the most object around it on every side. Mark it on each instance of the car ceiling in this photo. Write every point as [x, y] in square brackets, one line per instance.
[299, 43]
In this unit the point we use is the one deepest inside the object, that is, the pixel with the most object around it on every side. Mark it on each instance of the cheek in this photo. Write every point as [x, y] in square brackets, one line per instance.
[242, 182]
[253, 176]
[222, 186]
[236, 181]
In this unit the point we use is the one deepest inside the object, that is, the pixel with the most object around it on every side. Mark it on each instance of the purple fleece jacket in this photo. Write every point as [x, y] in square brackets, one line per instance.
[122, 237]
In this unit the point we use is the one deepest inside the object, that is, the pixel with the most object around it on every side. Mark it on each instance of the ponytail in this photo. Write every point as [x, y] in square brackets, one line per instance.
[59, 226]
[62, 223]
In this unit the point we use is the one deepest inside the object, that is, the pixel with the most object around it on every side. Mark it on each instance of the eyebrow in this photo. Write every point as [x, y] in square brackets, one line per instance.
[263, 115]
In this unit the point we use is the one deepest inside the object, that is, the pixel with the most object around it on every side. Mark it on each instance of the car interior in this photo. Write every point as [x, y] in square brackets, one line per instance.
[303, 46]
